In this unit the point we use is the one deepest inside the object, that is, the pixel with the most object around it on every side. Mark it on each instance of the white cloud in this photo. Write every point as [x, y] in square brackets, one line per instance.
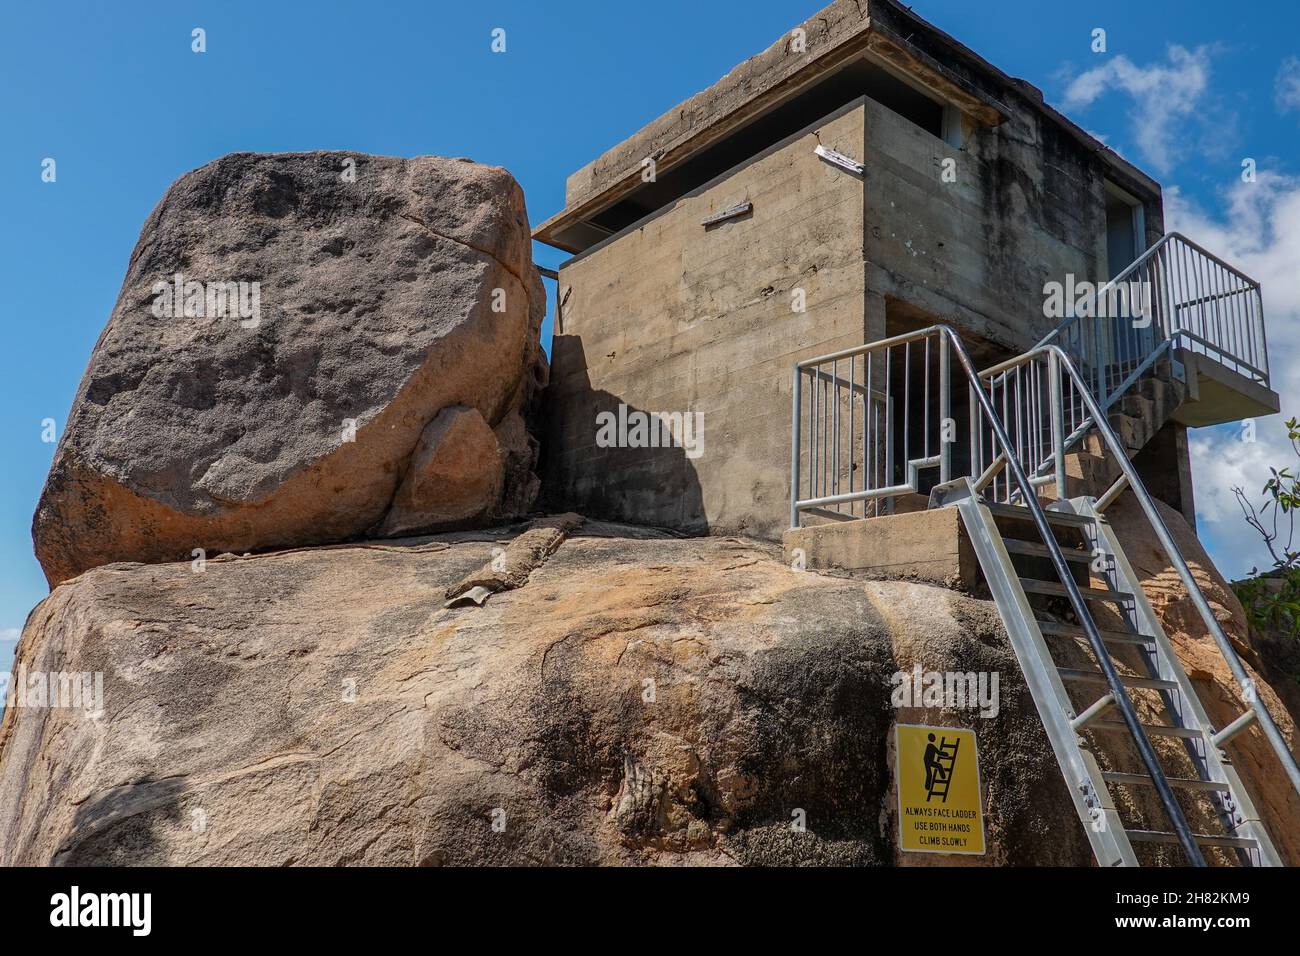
[10, 635]
[1287, 86]
[1259, 232]
[1163, 94]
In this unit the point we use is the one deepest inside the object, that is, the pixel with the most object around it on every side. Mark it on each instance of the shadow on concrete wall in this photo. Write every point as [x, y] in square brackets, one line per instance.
[648, 486]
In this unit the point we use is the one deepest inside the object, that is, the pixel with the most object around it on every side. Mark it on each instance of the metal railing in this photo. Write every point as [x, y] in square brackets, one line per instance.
[875, 417]
[1024, 414]
[1075, 385]
[1044, 414]
[869, 412]
[1175, 295]
[824, 449]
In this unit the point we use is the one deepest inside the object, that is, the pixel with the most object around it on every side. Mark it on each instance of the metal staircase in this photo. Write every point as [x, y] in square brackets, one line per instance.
[1078, 731]
[878, 418]
[1175, 301]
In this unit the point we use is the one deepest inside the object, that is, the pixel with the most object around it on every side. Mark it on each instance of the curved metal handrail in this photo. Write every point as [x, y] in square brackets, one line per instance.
[1129, 474]
[1165, 240]
[1059, 562]
[1203, 303]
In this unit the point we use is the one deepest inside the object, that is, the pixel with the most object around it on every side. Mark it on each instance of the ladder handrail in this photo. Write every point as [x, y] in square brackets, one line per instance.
[1093, 409]
[1113, 444]
[1077, 601]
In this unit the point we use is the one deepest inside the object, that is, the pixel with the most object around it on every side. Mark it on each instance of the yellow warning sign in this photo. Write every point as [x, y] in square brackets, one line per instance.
[939, 808]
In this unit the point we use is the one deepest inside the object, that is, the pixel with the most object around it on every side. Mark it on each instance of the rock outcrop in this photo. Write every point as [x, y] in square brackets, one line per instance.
[385, 335]
[640, 699]
[624, 697]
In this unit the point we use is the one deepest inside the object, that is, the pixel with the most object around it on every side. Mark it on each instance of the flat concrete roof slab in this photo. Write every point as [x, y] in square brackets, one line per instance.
[844, 30]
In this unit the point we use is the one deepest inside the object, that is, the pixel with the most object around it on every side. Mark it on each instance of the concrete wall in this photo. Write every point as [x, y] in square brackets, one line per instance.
[672, 316]
[928, 546]
[1027, 206]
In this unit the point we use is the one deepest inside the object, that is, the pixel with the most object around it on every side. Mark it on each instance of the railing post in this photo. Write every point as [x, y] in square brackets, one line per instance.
[1058, 422]
[976, 435]
[890, 477]
[794, 449]
[1170, 301]
[945, 413]
[1099, 361]
[1263, 337]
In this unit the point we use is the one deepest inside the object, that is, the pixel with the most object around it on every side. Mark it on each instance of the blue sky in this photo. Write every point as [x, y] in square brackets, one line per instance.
[114, 94]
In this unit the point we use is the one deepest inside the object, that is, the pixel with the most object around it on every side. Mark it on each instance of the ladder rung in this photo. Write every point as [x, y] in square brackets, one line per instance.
[1016, 546]
[1053, 517]
[1204, 839]
[1073, 630]
[1035, 586]
[1142, 779]
[1142, 683]
[1153, 730]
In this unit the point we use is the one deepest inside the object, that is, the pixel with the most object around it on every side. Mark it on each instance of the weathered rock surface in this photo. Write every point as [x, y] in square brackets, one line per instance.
[454, 476]
[629, 698]
[641, 699]
[511, 566]
[390, 289]
[1270, 664]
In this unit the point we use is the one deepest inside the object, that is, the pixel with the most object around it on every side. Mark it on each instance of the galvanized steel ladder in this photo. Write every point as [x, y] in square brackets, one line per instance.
[1112, 711]
[1024, 416]
[1038, 406]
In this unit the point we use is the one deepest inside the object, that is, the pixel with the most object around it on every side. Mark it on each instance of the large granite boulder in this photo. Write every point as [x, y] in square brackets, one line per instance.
[623, 697]
[377, 293]
[634, 699]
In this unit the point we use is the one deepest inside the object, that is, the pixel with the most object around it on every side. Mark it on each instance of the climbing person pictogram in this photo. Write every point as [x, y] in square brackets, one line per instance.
[940, 764]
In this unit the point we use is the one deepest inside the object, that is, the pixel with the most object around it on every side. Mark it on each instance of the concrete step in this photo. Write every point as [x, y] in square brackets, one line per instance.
[1088, 475]
[1143, 409]
[1136, 405]
[1135, 417]
[1133, 430]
